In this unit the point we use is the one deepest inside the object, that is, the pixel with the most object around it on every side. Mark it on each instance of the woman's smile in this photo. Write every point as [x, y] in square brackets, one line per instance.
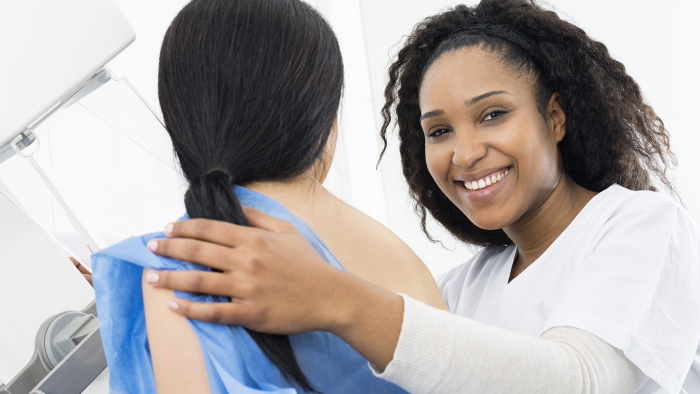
[479, 188]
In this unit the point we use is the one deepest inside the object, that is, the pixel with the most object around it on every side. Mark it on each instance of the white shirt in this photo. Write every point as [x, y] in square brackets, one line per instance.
[627, 270]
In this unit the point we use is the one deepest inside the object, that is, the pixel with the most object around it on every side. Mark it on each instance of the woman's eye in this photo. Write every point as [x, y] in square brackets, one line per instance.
[438, 132]
[494, 114]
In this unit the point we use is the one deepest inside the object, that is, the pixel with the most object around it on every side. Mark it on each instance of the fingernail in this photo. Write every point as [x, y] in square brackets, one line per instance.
[152, 245]
[172, 305]
[168, 230]
[152, 277]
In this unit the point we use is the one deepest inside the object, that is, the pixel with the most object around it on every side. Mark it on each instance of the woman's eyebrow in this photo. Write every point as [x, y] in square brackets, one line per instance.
[467, 103]
[480, 97]
[430, 114]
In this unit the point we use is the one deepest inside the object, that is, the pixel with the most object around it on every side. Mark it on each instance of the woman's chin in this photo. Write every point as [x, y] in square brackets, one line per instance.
[487, 222]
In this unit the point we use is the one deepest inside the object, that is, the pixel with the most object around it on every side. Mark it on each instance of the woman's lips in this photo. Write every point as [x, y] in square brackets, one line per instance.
[485, 188]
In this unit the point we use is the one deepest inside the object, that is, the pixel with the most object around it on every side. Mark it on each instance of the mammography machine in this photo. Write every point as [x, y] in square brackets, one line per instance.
[77, 145]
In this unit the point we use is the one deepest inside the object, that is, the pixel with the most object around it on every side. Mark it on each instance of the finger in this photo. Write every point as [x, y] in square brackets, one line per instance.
[89, 279]
[214, 231]
[260, 219]
[80, 267]
[200, 252]
[84, 270]
[213, 312]
[193, 281]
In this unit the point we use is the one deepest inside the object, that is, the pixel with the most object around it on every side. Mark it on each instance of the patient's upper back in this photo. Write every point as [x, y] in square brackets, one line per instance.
[364, 247]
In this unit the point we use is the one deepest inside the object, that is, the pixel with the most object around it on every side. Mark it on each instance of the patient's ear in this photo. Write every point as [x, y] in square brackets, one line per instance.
[320, 169]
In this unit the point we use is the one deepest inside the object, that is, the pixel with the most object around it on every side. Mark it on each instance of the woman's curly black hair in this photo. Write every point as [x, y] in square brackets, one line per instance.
[612, 135]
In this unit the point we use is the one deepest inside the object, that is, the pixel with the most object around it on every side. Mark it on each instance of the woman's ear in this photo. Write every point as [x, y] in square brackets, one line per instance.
[556, 118]
[324, 165]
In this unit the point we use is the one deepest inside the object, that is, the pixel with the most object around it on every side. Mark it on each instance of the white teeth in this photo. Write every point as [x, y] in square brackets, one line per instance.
[485, 181]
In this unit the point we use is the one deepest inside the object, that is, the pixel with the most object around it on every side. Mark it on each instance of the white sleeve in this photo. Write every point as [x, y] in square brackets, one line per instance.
[441, 353]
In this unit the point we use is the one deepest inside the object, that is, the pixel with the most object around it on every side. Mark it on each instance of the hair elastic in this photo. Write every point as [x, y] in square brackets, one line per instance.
[215, 175]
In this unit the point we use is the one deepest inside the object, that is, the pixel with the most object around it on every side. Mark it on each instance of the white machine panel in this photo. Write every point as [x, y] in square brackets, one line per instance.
[36, 281]
[39, 69]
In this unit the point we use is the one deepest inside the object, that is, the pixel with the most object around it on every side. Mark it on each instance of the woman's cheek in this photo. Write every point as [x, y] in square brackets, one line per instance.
[542, 165]
[438, 162]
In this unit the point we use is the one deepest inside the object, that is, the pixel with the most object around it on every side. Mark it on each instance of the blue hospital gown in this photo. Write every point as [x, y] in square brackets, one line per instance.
[234, 362]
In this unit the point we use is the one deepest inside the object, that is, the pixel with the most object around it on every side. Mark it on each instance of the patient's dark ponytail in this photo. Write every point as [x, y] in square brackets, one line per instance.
[211, 196]
[249, 91]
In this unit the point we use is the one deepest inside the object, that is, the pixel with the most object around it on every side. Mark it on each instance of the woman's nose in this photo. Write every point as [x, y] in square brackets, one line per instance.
[468, 149]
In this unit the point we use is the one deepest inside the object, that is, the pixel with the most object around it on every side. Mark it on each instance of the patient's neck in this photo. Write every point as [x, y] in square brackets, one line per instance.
[304, 196]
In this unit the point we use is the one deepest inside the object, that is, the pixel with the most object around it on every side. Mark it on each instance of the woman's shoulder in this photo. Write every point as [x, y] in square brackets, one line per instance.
[651, 210]
[628, 230]
[626, 200]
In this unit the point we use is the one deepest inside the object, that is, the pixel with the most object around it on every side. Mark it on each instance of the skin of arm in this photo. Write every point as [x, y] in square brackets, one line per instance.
[178, 365]
[261, 271]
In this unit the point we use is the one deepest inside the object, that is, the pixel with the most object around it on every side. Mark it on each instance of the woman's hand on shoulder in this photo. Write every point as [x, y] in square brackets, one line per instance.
[276, 280]
[277, 283]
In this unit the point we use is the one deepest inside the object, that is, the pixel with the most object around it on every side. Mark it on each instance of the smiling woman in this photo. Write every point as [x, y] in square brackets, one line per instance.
[499, 134]
[519, 133]
[491, 147]
[613, 135]
[526, 127]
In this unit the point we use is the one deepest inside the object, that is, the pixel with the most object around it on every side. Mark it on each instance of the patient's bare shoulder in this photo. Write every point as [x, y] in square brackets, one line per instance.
[177, 358]
[370, 250]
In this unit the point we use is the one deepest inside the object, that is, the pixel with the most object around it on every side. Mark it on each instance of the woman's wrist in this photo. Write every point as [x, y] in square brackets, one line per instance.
[367, 317]
[347, 304]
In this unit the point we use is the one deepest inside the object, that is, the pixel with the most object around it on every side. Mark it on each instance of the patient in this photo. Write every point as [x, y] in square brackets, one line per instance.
[250, 91]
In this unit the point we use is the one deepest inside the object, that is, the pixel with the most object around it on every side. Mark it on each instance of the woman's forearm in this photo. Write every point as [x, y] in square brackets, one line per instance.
[368, 318]
[441, 353]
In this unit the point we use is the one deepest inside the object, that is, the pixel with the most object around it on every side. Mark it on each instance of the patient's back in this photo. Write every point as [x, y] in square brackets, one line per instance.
[365, 247]
[197, 356]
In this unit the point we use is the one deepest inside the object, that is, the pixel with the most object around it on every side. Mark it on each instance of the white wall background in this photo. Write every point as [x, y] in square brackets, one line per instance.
[657, 41]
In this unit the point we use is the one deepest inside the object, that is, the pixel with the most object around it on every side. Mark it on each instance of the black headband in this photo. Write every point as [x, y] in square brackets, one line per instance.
[504, 32]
